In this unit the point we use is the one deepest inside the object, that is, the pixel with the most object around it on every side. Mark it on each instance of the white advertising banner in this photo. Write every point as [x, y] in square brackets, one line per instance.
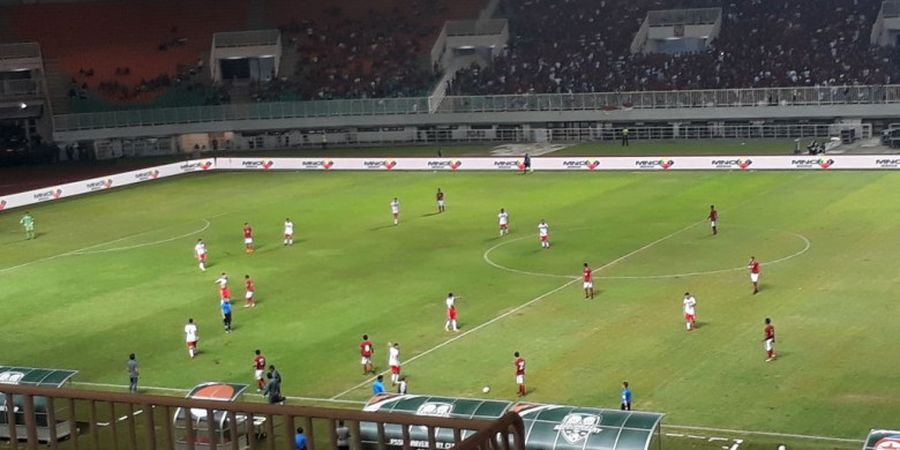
[66, 190]
[512, 164]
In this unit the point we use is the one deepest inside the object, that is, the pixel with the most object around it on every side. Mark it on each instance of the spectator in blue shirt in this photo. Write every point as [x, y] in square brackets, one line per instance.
[378, 385]
[626, 397]
[300, 439]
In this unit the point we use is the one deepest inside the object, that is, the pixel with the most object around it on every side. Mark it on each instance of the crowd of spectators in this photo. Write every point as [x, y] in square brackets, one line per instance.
[568, 46]
[384, 55]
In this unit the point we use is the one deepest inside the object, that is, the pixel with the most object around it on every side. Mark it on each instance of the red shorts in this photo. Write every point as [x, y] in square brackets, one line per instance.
[545, 238]
[689, 317]
[451, 314]
[395, 370]
[192, 344]
[504, 226]
[202, 258]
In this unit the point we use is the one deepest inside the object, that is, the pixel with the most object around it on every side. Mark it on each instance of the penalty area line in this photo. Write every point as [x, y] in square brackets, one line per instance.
[520, 307]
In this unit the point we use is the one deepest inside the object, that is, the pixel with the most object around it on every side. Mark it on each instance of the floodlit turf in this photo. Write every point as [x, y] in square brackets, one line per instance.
[113, 273]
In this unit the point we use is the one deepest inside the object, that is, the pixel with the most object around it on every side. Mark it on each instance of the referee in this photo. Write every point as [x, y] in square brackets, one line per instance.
[226, 314]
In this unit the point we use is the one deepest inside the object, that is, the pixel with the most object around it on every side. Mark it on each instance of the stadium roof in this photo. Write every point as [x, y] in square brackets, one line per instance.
[35, 377]
[246, 38]
[475, 27]
[20, 50]
[890, 8]
[699, 16]
[882, 440]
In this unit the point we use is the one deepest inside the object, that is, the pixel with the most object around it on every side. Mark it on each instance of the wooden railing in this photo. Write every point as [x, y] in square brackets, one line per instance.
[76, 419]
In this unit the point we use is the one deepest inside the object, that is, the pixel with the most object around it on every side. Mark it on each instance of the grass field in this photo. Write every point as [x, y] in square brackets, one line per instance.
[113, 273]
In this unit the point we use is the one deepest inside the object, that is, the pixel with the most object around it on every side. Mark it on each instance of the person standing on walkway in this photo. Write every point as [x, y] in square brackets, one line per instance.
[132, 373]
[625, 133]
[626, 397]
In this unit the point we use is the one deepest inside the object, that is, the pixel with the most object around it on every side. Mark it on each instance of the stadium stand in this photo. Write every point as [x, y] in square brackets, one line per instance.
[128, 55]
[583, 46]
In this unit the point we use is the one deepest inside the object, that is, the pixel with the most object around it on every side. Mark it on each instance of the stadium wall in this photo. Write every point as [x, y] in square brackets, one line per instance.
[823, 163]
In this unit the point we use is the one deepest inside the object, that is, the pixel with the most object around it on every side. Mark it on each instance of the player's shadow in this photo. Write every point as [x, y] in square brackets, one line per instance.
[382, 227]
[430, 214]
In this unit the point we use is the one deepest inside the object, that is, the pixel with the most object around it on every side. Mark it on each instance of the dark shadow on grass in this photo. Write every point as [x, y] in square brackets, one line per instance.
[382, 227]
[431, 214]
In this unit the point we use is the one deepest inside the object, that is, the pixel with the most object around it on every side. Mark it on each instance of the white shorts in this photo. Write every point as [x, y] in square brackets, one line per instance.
[441, 203]
[754, 277]
[588, 284]
[770, 344]
[712, 223]
[248, 295]
[258, 373]
[365, 360]
[520, 379]
[248, 241]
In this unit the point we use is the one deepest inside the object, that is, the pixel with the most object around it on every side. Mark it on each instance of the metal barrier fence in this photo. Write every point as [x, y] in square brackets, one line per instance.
[606, 102]
[612, 102]
[106, 420]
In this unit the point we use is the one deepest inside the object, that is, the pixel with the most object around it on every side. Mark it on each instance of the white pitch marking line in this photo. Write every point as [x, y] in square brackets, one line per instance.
[674, 434]
[84, 250]
[487, 259]
[486, 256]
[691, 436]
[180, 390]
[761, 433]
[714, 439]
[522, 306]
[146, 244]
[126, 416]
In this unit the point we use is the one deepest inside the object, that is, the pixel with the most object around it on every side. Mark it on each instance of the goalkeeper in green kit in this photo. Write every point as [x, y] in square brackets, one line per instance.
[28, 223]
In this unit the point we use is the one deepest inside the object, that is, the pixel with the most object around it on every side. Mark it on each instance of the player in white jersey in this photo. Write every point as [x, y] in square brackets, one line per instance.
[200, 252]
[395, 210]
[288, 232]
[394, 362]
[690, 313]
[222, 281]
[450, 301]
[503, 220]
[544, 234]
[191, 337]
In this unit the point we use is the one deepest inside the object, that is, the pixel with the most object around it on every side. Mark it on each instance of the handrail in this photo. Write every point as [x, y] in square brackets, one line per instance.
[601, 101]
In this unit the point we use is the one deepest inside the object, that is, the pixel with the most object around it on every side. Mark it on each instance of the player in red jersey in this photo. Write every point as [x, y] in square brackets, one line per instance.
[769, 340]
[250, 288]
[451, 319]
[366, 350]
[753, 267]
[713, 218]
[248, 238]
[440, 200]
[588, 276]
[259, 367]
[520, 374]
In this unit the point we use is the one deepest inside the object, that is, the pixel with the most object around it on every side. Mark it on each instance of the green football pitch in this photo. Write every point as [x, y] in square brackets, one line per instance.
[114, 273]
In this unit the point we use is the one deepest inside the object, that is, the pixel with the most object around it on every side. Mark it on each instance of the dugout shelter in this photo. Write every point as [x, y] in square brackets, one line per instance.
[882, 440]
[28, 376]
[220, 420]
[547, 427]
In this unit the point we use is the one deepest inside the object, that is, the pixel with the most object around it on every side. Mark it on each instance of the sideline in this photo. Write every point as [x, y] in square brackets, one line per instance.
[184, 391]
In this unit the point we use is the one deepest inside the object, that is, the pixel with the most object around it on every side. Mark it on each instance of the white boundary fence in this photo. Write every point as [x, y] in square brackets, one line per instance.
[587, 164]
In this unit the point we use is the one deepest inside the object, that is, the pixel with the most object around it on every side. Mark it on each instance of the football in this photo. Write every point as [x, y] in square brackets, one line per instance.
[486, 389]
